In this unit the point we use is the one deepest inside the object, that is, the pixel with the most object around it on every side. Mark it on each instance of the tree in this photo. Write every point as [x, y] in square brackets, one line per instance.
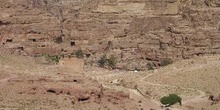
[171, 100]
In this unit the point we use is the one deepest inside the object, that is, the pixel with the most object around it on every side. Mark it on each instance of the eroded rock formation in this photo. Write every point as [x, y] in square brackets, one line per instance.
[134, 31]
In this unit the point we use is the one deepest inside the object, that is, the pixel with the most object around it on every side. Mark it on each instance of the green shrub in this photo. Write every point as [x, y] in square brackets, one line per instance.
[79, 54]
[166, 61]
[51, 58]
[102, 61]
[150, 66]
[112, 61]
[165, 100]
[171, 100]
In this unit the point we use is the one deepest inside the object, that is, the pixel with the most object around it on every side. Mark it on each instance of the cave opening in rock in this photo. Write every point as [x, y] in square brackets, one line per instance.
[20, 48]
[83, 99]
[88, 55]
[72, 43]
[9, 40]
[33, 40]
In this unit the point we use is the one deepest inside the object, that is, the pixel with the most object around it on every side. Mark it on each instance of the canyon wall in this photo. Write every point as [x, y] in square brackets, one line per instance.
[136, 32]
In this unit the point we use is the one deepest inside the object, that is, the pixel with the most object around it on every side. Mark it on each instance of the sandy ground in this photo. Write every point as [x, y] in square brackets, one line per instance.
[194, 80]
[24, 83]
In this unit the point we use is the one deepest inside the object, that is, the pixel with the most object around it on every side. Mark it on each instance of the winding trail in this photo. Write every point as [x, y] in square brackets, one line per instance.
[134, 93]
[201, 95]
[197, 98]
[137, 94]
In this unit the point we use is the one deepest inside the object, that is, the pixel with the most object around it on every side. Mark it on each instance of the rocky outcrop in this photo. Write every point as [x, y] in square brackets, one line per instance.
[136, 32]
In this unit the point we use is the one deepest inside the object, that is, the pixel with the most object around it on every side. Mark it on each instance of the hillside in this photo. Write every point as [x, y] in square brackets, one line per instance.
[52, 51]
[29, 84]
[136, 32]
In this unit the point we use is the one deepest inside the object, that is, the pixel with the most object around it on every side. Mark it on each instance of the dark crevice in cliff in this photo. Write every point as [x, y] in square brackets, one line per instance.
[4, 23]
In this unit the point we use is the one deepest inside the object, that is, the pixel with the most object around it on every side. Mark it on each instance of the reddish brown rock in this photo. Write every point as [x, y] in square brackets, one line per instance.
[140, 31]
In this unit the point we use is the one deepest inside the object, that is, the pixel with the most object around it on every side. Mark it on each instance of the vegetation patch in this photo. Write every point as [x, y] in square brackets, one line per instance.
[110, 62]
[171, 100]
[150, 66]
[52, 59]
[79, 54]
[166, 61]
[102, 61]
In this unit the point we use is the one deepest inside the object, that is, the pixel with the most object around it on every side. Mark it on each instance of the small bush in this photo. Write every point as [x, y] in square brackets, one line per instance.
[50, 58]
[171, 100]
[102, 61]
[166, 61]
[150, 66]
[79, 54]
[112, 61]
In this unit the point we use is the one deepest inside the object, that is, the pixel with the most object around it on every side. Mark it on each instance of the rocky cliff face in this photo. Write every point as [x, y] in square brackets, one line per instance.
[136, 32]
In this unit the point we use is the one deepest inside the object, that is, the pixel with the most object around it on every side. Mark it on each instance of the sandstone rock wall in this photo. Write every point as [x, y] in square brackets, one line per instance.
[137, 32]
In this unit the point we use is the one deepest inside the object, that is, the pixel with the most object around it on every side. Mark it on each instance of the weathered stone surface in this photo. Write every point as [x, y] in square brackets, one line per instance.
[140, 30]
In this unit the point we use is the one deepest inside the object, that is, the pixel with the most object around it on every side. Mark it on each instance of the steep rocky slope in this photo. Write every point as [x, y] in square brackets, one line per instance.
[144, 31]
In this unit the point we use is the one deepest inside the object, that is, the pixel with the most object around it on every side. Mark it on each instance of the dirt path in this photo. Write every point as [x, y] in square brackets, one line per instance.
[139, 95]
[195, 99]
[147, 104]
